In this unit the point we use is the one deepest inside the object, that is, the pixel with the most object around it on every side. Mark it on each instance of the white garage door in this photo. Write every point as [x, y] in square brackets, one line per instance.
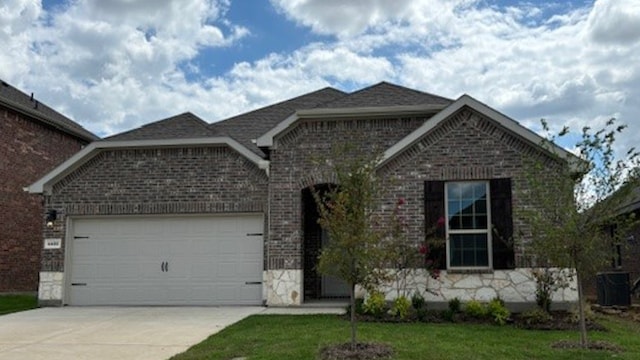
[205, 260]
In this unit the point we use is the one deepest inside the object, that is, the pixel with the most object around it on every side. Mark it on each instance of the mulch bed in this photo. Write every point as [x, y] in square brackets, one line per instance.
[361, 351]
[592, 345]
[559, 320]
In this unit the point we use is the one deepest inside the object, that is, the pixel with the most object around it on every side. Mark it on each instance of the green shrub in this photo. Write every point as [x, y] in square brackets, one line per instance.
[359, 307]
[497, 311]
[448, 315]
[476, 309]
[400, 307]
[535, 316]
[421, 314]
[375, 304]
[454, 305]
[574, 314]
[417, 301]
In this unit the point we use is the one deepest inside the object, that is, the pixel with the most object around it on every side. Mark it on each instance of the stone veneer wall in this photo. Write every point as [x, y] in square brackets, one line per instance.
[51, 288]
[177, 180]
[512, 286]
[467, 146]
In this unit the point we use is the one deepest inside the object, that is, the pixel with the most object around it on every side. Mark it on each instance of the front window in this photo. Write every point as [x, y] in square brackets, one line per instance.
[468, 225]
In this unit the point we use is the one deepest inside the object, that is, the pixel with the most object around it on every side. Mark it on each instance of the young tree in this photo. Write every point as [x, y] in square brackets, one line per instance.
[347, 212]
[576, 200]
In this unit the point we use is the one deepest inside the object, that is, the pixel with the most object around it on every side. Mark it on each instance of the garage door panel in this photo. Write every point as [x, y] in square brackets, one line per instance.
[249, 291]
[157, 260]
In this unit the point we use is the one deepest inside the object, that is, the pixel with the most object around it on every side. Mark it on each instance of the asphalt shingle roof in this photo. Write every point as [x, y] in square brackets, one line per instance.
[183, 126]
[29, 105]
[251, 125]
[246, 127]
[386, 94]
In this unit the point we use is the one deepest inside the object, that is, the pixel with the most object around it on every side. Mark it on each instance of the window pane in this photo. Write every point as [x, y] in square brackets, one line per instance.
[467, 222]
[479, 190]
[453, 191]
[467, 205]
[481, 206]
[481, 222]
[455, 222]
[468, 250]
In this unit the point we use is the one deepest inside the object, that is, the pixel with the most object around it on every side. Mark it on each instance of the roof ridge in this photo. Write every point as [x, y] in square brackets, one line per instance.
[20, 101]
[280, 103]
[405, 88]
[173, 120]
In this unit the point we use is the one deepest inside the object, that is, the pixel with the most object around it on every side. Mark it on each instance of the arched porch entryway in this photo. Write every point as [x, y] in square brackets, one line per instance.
[317, 286]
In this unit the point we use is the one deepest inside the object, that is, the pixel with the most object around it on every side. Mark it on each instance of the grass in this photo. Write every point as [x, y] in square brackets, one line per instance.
[14, 303]
[301, 337]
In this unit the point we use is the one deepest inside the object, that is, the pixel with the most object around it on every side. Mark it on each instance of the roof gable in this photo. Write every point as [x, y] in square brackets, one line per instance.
[44, 184]
[465, 100]
[28, 105]
[377, 100]
[183, 126]
[249, 126]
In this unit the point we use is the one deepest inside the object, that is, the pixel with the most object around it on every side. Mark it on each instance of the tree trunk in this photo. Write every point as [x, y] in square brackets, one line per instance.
[583, 322]
[353, 316]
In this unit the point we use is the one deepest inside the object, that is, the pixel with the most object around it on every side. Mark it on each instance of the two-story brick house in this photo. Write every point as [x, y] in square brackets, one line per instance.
[184, 212]
[33, 140]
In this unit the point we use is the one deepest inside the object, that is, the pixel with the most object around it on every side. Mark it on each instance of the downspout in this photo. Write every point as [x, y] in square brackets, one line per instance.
[265, 165]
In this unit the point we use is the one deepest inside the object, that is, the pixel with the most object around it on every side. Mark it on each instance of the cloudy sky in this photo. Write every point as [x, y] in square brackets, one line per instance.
[113, 65]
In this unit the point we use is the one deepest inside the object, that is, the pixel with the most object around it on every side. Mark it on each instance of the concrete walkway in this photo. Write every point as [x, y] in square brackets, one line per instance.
[119, 332]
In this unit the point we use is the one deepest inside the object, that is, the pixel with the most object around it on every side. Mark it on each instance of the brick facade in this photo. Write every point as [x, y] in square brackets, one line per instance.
[28, 150]
[210, 179]
[467, 146]
[159, 181]
[294, 167]
[628, 263]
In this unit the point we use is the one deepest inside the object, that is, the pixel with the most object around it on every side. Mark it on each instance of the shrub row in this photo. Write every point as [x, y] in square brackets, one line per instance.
[405, 309]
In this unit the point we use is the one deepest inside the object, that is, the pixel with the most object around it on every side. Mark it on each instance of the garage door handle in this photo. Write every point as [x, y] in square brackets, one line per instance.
[253, 282]
[78, 284]
[164, 266]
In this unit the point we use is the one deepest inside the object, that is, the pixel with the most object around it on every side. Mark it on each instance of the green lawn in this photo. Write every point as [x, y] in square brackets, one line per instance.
[300, 337]
[15, 303]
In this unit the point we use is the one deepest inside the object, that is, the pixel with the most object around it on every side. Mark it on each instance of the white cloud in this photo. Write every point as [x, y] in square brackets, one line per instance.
[615, 21]
[116, 64]
[111, 64]
[343, 18]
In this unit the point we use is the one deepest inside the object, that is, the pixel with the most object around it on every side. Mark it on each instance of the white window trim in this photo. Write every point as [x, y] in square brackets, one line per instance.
[469, 231]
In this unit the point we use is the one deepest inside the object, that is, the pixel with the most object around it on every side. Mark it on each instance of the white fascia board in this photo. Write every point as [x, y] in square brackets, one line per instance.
[466, 100]
[95, 147]
[266, 140]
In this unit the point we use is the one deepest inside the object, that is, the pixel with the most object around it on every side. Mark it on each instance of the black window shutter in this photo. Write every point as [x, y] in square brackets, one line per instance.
[434, 210]
[502, 221]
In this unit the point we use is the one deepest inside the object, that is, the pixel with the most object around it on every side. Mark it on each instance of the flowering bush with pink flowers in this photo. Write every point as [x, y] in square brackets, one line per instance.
[405, 256]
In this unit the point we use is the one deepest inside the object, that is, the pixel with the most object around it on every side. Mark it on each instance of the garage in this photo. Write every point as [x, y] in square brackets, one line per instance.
[161, 260]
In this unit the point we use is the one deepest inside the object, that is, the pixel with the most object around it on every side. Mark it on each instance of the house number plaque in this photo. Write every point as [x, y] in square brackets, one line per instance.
[53, 243]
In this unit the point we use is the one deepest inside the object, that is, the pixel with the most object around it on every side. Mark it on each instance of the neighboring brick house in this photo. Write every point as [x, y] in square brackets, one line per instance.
[183, 212]
[607, 286]
[33, 140]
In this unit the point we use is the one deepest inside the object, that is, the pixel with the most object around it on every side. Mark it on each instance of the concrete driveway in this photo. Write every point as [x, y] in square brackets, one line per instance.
[111, 332]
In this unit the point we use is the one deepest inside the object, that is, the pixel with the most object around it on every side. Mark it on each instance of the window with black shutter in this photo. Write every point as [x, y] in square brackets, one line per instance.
[473, 219]
[502, 224]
